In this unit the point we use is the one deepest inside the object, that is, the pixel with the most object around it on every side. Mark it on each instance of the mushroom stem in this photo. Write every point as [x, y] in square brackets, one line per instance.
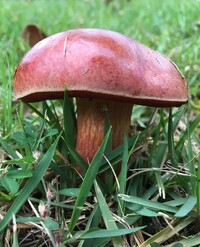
[91, 117]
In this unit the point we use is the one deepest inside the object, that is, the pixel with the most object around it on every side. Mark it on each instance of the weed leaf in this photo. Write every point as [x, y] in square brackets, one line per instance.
[88, 181]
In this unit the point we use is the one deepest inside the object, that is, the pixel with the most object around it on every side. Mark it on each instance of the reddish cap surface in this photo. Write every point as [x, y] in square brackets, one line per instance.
[98, 63]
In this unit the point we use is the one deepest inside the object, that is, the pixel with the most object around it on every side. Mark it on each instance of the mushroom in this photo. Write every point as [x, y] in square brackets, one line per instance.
[33, 34]
[106, 72]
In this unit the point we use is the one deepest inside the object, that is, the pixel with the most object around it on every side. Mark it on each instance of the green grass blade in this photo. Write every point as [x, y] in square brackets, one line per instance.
[88, 181]
[115, 156]
[78, 159]
[177, 245]
[168, 231]
[140, 210]
[107, 216]
[198, 187]
[153, 150]
[155, 245]
[93, 222]
[50, 113]
[31, 184]
[148, 203]
[171, 139]
[15, 235]
[123, 175]
[124, 167]
[100, 242]
[55, 204]
[108, 175]
[71, 192]
[177, 117]
[28, 219]
[8, 149]
[68, 120]
[98, 234]
[186, 207]
[190, 155]
[189, 242]
[39, 139]
[176, 202]
[35, 110]
[106, 128]
[106, 233]
[193, 126]
[26, 143]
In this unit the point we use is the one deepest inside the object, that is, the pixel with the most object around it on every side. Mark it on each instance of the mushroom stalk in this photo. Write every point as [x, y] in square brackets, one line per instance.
[91, 118]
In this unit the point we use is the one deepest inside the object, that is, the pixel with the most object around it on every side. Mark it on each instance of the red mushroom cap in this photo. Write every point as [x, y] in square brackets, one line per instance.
[98, 63]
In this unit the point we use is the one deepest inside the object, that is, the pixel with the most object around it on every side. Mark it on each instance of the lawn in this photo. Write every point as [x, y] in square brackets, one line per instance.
[155, 200]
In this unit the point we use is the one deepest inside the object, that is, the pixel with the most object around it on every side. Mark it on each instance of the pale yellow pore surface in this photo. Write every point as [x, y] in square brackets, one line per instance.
[91, 119]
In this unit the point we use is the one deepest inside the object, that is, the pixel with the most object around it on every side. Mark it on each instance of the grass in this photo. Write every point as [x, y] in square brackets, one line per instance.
[155, 201]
